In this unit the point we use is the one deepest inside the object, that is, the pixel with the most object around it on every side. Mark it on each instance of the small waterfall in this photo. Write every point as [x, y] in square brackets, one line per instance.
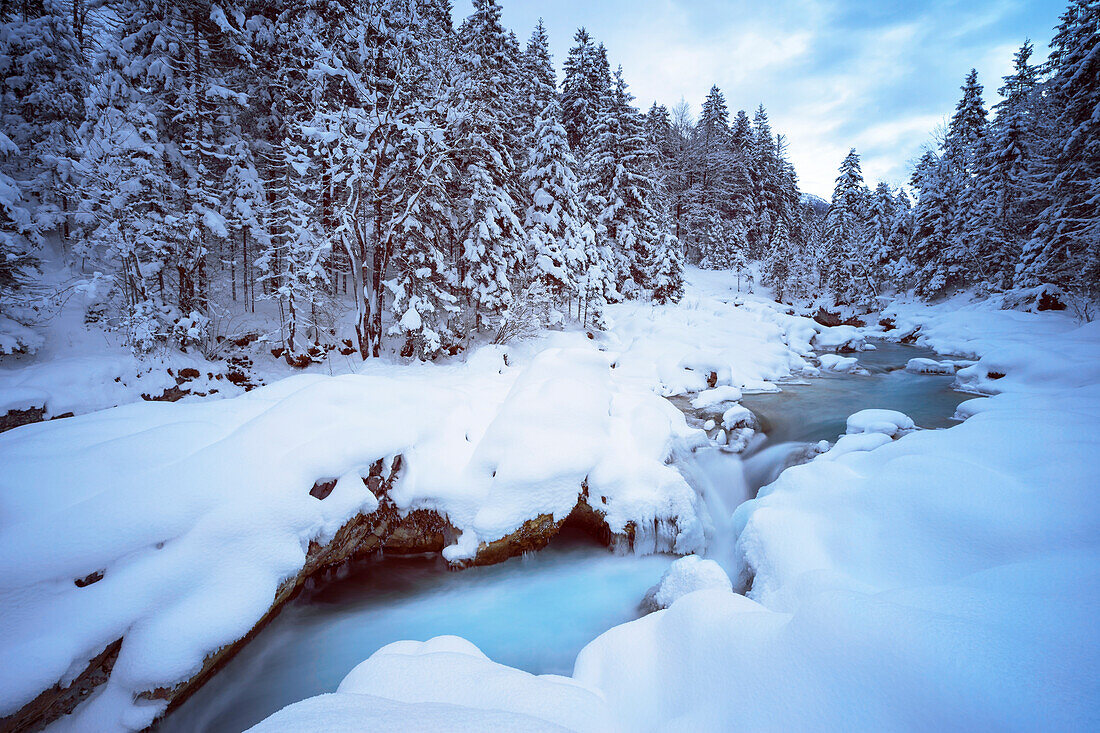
[718, 477]
[764, 466]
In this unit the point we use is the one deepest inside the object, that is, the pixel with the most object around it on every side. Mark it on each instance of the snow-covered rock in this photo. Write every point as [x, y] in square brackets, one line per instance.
[837, 363]
[930, 366]
[716, 396]
[686, 575]
[445, 683]
[887, 422]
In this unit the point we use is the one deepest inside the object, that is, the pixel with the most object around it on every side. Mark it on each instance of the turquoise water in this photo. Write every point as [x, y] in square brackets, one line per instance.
[535, 612]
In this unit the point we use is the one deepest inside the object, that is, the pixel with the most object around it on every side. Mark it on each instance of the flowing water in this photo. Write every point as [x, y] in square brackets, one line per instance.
[535, 612]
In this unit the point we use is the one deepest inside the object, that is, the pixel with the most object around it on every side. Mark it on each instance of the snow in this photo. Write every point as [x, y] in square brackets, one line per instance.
[454, 679]
[836, 363]
[737, 417]
[686, 575]
[944, 579]
[716, 396]
[871, 566]
[887, 422]
[197, 512]
[930, 366]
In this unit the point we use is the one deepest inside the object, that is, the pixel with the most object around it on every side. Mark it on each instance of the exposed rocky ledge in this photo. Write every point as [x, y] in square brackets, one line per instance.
[384, 530]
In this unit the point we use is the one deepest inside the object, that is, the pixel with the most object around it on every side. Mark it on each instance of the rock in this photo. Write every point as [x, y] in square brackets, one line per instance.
[887, 422]
[825, 318]
[685, 575]
[16, 418]
[930, 366]
[172, 394]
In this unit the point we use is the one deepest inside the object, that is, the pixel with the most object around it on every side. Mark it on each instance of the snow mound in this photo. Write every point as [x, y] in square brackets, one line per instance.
[836, 363]
[716, 396]
[738, 416]
[354, 713]
[887, 422]
[686, 575]
[930, 366]
[171, 526]
[948, 579]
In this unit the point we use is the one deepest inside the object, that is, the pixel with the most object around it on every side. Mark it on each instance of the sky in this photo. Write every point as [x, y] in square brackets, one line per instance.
[833, 74]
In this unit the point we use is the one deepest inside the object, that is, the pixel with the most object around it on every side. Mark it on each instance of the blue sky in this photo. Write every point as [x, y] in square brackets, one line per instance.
[833, 74]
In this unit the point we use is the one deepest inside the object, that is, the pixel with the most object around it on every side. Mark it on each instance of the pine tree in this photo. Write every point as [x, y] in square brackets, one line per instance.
[667, 269]
[539, 82]
[1006, 171]
[777, 266]
[621, 195]
[900, 270]
[877, 252]
[582, 90]
[492, 237]
[931, 223]
[965, 147]
[555, 218]
[844, 230]
[1065, 246]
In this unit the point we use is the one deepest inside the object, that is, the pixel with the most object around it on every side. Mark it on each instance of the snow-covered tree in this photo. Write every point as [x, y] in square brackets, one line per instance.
[844, 231]
[492, 236]
[555, 219]
[582, 90]
[621, 196]
[777, 266]
[666, 273]
[1065, 245]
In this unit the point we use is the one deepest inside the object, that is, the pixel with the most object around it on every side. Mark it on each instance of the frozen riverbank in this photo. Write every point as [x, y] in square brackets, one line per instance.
[945, 579]
[141, 543]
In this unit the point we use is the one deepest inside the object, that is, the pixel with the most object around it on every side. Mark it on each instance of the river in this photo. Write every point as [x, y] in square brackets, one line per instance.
[538, 611]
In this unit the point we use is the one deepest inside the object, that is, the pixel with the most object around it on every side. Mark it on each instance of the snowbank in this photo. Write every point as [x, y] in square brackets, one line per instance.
[948, 579]
[181, 521]
[456, 688]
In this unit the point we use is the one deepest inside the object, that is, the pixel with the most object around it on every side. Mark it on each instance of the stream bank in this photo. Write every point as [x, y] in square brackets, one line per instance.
[537, 611]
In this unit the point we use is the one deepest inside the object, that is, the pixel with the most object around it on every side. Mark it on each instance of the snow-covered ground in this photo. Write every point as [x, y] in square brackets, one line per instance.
[903, 580]
[181, 520]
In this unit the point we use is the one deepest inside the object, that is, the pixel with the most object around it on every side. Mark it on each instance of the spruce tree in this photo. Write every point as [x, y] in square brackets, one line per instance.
[555, 218]
[581, 90]
[844, 230]
[1065, 245]
[491, 233]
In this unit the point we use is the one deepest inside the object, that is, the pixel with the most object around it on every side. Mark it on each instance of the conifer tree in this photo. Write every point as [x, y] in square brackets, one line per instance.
[844, 230]
[555, 218]
[582, 90]
[1065, 245]
[491, 233]
[667, 269]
